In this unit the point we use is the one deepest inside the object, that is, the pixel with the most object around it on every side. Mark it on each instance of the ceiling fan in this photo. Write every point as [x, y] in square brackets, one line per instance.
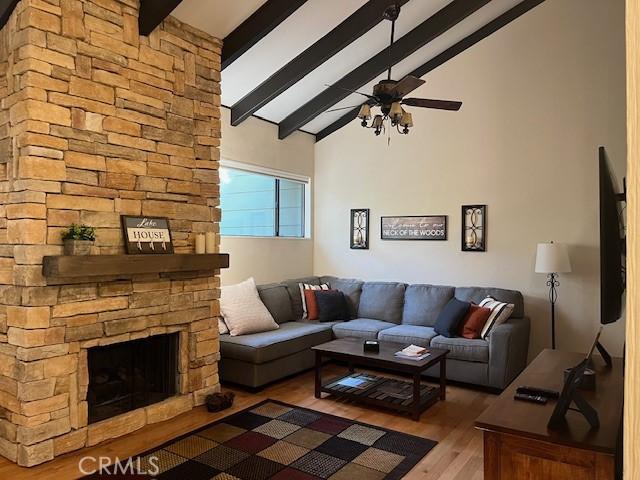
[389, 95]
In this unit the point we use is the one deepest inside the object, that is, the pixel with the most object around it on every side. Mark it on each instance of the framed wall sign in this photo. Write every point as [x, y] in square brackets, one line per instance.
[474, 228]
[146, 235]
[428, 227]
[359, 231]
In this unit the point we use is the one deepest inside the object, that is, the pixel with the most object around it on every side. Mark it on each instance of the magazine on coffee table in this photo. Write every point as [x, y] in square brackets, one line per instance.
[360, 382]
[413, 352]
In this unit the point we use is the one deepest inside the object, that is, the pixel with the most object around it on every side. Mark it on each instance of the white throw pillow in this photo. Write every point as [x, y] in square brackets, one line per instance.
[222, 327]
[243, 311]
[500, 313]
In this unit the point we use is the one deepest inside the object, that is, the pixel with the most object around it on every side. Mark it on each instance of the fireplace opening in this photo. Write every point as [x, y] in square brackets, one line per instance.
[130, 375]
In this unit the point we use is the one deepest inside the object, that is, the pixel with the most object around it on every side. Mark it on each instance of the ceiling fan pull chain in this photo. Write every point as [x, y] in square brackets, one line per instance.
[393, 30]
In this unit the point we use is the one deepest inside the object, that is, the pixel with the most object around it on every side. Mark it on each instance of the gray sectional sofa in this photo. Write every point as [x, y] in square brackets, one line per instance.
[379, 310]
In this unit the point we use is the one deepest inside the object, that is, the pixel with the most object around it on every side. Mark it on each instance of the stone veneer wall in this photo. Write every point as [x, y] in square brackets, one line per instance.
[96, 121]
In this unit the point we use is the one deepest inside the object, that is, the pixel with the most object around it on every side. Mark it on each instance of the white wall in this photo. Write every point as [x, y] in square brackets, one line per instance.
[539, 97]
[266, 259]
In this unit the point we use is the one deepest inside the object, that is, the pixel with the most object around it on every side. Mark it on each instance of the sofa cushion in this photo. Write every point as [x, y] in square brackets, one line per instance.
[477, 294]
[451, 317]
[365, 328]
[275, 297]
[243, 310]
[382, 301]
[290, 338]
[293, 285]
[351, 288]
[474, 322]
[476, 350]
[332, 305]
[423, 303]
[408, 334]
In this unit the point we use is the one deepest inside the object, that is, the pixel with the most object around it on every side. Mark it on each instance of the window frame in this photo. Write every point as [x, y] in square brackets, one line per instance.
[276, 175]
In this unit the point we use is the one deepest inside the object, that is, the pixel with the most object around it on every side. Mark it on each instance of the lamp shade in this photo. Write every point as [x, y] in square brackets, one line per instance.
[365, 112]
[552, 258]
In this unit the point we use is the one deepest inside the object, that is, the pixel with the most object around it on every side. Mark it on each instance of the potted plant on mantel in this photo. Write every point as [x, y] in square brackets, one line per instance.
[79, 239]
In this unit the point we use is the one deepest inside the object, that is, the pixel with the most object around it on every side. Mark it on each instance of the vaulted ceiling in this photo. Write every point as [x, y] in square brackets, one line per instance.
[279, 56]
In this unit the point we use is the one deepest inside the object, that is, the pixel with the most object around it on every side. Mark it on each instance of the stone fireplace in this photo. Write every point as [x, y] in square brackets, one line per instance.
[97, 121]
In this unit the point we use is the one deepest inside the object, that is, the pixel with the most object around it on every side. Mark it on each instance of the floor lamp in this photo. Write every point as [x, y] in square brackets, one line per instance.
[552, 259]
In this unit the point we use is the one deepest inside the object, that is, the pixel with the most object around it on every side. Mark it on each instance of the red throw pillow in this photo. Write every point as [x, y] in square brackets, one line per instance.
[312, 305]
[475, 320]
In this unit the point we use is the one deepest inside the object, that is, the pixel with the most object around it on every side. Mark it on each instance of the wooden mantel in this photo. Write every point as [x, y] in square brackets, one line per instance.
[120, 265]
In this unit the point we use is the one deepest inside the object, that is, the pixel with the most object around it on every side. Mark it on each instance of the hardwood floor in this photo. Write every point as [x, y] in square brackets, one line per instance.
[458, 455]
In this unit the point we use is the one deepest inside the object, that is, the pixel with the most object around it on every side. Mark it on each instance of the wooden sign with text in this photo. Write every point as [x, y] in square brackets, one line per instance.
[146, 235]
[428, 227]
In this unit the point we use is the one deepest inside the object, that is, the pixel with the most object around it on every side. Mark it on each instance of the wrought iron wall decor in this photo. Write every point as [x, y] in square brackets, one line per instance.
[359, 238]
[474, 228]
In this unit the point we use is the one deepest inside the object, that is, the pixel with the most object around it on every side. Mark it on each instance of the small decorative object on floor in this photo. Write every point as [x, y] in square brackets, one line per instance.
[273, 440]
[552, 259]
[146, 235]
[217, 402]
[428, 227]
[474, 228]
[79, 239]
[360, 229]
[200, 243]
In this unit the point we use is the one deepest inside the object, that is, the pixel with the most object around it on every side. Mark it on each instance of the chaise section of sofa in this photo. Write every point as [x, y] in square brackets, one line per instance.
[258, 359]
[388, 311]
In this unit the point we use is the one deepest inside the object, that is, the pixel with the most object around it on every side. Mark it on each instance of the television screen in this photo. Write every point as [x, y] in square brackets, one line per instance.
[612, 255]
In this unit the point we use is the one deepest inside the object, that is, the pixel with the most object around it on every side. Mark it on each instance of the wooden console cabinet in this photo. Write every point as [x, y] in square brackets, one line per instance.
[518, 445]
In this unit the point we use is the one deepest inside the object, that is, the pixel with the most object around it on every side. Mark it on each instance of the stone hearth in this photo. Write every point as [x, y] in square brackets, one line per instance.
[97, 121]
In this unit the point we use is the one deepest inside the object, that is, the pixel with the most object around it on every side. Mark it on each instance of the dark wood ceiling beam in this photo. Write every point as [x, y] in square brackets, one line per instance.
[445, 56]
[357, 24]
[153, 12]
[256, 27]
[6, 9]
[431, 28]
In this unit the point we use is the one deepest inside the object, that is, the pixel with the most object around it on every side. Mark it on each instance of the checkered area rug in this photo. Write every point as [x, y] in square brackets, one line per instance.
[273, 440]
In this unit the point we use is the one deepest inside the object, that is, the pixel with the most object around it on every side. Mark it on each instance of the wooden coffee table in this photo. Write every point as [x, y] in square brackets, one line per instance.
[412, 397]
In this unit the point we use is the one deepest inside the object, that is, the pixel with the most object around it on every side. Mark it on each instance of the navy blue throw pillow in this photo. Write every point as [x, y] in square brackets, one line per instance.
[332, 306]
[450, 318]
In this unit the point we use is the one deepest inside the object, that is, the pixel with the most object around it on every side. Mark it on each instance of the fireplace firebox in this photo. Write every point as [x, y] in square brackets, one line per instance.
[130, 375]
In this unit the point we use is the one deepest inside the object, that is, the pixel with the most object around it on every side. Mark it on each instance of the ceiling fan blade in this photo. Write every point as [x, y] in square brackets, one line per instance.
[342, 108]
[352, 91]
[427, 103]
[407, 85]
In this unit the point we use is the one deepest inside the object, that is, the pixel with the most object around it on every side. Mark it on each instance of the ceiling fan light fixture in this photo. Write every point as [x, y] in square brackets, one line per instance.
[406, 120]
[396, 112]
[365, 112]
[378, 124]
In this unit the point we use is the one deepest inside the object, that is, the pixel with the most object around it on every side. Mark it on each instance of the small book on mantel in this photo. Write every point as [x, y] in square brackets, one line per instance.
[413, 352]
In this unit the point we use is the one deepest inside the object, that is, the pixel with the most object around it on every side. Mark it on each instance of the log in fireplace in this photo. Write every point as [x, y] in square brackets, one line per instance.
[130, 375]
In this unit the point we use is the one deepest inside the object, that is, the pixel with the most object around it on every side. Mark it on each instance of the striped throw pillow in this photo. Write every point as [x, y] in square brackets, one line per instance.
[306, 286]
[500, 313]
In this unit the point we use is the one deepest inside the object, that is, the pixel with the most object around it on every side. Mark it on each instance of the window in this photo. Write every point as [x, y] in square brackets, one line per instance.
[261, 205]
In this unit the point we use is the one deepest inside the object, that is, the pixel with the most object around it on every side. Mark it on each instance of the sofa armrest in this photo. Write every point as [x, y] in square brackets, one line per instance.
[508, 350]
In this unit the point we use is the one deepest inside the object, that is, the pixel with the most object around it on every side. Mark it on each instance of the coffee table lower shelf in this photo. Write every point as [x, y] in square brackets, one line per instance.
[377, 392]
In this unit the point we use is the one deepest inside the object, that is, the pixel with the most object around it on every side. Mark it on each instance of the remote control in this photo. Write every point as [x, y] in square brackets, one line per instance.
[538, 391]
[531, 398]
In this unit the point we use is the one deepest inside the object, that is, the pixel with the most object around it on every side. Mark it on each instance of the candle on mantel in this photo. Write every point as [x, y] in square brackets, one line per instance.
[210, 241]
[200, 243]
